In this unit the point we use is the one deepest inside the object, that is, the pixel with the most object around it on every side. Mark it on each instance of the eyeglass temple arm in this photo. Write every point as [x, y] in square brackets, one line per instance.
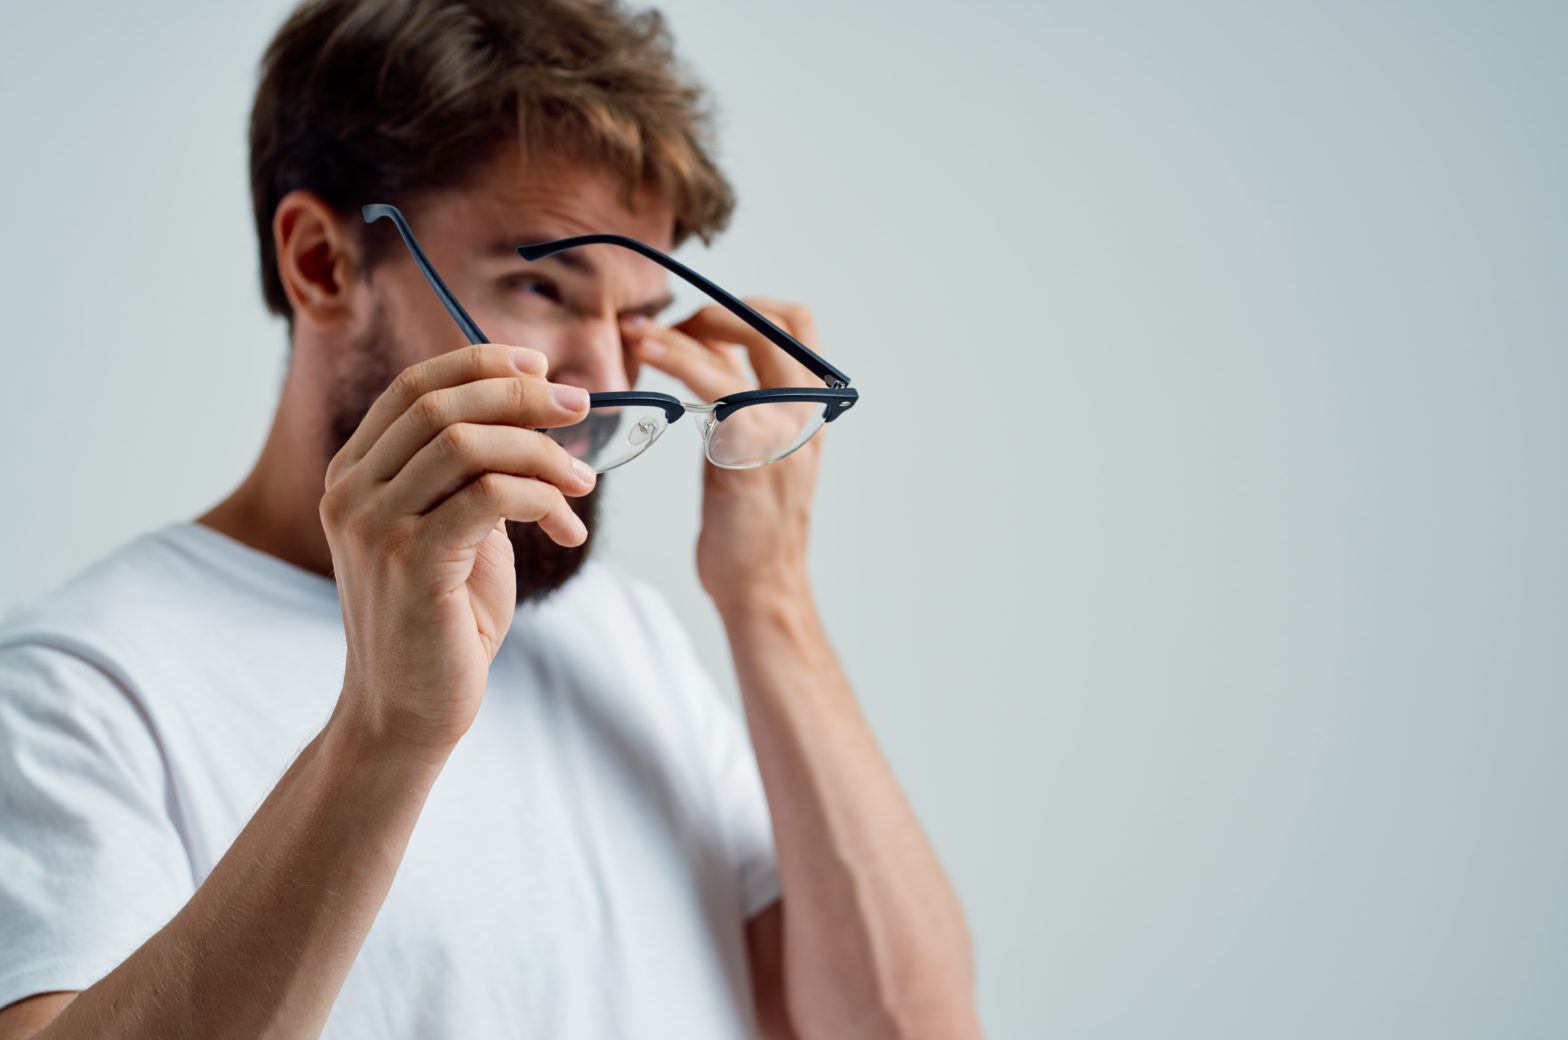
[377, 210]
[789, 344]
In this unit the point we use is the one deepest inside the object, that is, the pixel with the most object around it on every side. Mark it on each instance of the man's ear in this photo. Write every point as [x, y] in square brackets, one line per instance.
[317, 259]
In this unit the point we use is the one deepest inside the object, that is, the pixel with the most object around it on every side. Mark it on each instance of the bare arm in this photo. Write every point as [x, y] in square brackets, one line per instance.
[412, 512]
[869, 939]
[263, 946]
[872, 937]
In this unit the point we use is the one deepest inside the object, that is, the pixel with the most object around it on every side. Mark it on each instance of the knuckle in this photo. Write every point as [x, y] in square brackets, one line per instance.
[458, 441]
[489, 489]
[405, 387]
[517, 393]
[429, 408]
[330, 509]
[477, 354]
[339, 511]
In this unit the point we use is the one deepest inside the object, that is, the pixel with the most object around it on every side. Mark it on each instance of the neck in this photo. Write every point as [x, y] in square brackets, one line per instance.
[276, 508]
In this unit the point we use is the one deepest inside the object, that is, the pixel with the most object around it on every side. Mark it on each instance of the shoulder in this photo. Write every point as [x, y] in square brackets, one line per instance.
[171, 595]
[68, 704]
[101, 633]
[107, 604]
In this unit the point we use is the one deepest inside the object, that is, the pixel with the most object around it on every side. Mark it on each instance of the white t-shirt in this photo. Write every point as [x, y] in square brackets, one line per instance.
[584, 865]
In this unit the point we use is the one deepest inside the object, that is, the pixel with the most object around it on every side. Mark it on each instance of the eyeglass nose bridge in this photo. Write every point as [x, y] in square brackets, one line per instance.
[705, 420]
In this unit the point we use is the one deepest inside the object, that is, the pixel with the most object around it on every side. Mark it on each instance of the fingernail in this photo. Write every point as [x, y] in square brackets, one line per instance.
[651, 348]
[530, 361]
[635, 322]
[583, 470]
[572, 398]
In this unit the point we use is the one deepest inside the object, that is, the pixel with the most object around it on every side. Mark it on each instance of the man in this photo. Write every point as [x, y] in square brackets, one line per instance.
[369, 749]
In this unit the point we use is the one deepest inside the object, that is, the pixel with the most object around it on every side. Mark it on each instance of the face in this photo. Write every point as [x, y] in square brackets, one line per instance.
[569, 306]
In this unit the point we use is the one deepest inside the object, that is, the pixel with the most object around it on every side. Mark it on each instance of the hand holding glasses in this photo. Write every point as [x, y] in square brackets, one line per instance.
[739, 431]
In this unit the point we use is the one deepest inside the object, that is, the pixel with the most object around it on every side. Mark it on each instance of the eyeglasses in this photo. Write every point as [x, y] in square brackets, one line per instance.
[739, 431]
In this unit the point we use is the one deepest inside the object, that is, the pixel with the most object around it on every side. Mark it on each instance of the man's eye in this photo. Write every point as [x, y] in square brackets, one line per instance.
[534, 286]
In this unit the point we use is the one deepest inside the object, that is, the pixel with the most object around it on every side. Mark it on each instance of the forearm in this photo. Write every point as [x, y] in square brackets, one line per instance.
[263, 946]
[875, 939]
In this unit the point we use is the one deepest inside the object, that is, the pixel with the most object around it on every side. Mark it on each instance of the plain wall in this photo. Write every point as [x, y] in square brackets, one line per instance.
[1198, 547]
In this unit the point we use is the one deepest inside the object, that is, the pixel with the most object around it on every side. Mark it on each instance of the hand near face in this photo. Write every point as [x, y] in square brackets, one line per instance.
[755, 522]
[413, 510]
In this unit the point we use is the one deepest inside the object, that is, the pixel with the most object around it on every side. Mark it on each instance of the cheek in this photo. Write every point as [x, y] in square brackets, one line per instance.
[419, 324]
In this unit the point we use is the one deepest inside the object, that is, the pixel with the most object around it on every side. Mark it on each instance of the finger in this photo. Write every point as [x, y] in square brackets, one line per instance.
[773, 365]
[794, 318]
[476, 361]
[776, 366]
[518, 400]
[642, 345]
[464, 450]
[710, 373]
[467, 517]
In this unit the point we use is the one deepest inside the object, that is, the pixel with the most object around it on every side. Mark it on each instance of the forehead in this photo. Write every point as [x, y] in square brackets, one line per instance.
[514, 202]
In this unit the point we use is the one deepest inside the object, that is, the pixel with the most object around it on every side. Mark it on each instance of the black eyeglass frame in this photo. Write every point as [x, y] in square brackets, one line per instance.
[838, 395]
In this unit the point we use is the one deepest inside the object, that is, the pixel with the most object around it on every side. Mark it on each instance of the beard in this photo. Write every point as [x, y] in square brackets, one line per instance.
[370, 363]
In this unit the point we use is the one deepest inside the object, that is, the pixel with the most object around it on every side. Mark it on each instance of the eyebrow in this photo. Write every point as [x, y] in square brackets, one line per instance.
[505, 248]
[652, 308]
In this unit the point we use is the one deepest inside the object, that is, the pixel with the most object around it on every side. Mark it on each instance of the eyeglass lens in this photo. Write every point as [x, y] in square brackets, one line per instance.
[611, 435]
[762, 433]
[755, 435]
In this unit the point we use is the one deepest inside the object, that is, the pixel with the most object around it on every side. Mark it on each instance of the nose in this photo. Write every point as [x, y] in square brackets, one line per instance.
[589, 353]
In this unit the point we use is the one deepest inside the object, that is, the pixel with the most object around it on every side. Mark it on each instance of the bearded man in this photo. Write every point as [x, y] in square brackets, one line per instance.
[372, 748]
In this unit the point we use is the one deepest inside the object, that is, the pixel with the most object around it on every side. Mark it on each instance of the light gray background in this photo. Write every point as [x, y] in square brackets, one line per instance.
[1198, 548]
